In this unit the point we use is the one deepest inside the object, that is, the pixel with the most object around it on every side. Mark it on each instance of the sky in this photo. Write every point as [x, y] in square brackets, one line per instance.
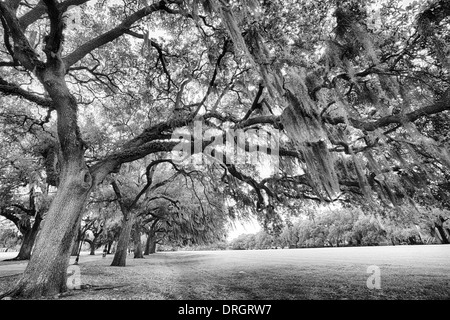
[241, 227]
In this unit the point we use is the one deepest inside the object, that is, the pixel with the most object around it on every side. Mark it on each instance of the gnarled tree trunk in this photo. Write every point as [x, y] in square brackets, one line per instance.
[46, 273]
[137, 241]
[92, 253]
[150, 245]
[28, 240]
[147, 245]
[108, 250]
[120, 257]
[153, 246]
[76, 242]
[91, 246]
[439, 225]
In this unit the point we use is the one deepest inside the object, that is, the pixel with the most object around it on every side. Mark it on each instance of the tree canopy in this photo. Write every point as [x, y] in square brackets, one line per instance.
[355, 93]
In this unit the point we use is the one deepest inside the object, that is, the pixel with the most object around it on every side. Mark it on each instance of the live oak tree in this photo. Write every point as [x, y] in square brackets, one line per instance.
[9, 238]
[24, 188]
[357, 89]
[189, 211]
[130, 195]
[159, 201]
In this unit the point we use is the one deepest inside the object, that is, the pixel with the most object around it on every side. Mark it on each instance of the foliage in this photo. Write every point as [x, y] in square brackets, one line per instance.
[9, 239]
[347, 227]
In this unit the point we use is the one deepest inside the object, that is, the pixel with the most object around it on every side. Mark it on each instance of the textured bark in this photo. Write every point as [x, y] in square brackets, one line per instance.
[108, 250]
[120, 257]
[46, 273]
[147, 245]
[150, 245]
[75, 245]
[442, 234]
[153, 246]
[137, 241]
[92, 248]
[28, 240]
[76, 241]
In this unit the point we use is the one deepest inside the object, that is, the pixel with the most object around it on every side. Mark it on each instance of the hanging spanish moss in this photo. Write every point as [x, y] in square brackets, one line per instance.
[382, 94]
[362, 179]
[302, 126]
[352, 32]
[262, 57]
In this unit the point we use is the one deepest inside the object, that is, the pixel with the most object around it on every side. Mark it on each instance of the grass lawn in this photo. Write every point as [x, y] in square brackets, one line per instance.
[407, 272]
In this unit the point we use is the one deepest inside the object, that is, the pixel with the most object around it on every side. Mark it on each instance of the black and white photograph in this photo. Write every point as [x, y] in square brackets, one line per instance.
[222, 158]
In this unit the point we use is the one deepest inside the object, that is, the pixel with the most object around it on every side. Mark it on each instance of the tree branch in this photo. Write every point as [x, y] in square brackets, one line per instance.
[40, 9]
[7, 88]
[114, 33]
[23, 51]
[53, 41]
[442, 104]
[123, 206]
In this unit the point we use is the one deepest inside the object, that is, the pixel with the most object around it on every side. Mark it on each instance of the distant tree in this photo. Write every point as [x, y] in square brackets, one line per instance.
[24, 188]
[198, 216]
[240, 242]
[9, 238]
[366, 231]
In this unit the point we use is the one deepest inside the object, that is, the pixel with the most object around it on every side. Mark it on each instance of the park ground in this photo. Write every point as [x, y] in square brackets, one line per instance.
[406, 272]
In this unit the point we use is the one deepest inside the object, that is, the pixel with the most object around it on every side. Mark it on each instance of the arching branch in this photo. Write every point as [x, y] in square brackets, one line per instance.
[116, 32]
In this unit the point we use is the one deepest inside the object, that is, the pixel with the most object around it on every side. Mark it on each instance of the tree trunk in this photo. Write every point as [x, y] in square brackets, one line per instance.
[75, 246]
[92, 253]
[108, 250]
[28, 240]
[120, 257]
[439, 224]
[150, 245]
[443, 235]
[153, 246]
[137, 241]
[46, 273]
[147, 245]
[76, 241]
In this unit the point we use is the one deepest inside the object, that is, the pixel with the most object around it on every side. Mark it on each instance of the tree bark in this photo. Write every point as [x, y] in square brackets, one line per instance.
[75, 246]
[443, 236]
[147, 245]
[28, 240]
[439, 224]
[150, 244]
[46, 273]
[108, 250]
[137, 241]
[153, 246]
[91, 247]
[76, 241]
[120, 257]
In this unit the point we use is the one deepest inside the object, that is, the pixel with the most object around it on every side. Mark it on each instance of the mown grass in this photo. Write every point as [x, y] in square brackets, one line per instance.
[421, 272]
